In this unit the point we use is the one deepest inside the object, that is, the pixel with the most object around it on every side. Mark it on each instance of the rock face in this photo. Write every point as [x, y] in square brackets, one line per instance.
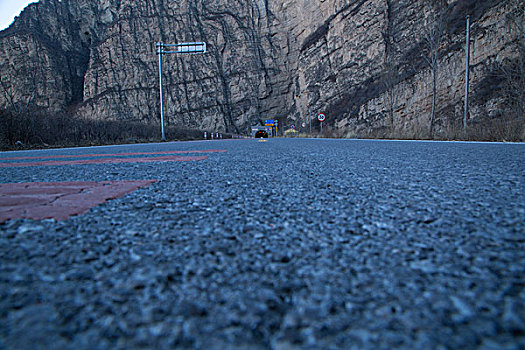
[362, 62]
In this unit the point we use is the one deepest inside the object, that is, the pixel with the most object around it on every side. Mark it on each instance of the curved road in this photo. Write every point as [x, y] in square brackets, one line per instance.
[284, 244]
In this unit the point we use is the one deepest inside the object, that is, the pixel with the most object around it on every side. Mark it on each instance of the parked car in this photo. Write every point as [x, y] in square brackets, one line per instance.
[261, 134]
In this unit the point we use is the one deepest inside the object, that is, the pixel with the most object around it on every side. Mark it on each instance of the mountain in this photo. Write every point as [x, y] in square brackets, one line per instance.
[367, 64]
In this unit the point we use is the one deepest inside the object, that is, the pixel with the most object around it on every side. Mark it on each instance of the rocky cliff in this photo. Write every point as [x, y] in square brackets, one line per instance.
[365, 63]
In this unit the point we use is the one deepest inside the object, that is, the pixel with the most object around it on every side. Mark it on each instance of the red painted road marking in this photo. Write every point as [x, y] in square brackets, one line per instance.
[111, 155]
[59, 200]
[105, 161]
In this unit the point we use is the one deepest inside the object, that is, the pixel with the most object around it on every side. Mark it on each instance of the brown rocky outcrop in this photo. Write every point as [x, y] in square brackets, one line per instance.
[362, 62]
[365, 65]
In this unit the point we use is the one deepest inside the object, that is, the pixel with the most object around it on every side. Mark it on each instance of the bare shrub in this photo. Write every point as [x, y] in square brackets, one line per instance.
[513, 72]
[42, 129]
[433, 31]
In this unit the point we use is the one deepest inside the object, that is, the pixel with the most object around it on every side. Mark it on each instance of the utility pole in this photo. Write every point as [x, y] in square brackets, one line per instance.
[183, 48]
[467, 74]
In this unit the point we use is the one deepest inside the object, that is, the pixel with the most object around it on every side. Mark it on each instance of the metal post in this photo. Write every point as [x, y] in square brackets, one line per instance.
[321, 128]
[467, 75]
[160, 52]
[310, 119]
[182, 48]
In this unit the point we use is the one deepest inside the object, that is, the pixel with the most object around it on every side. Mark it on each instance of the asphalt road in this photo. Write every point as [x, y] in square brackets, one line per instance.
[284, 244]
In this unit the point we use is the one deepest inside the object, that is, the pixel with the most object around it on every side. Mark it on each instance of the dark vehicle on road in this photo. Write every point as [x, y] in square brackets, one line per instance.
[261, 133]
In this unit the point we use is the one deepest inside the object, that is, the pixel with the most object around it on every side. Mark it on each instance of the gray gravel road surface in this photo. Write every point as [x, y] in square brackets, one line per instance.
[284, 244]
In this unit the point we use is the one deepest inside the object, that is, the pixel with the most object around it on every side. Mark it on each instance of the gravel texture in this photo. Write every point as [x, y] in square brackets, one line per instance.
[285, 244]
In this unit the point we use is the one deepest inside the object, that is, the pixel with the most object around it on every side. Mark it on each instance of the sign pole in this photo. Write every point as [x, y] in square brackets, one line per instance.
[321, 117]
[159, 52]
[467, 69]
[183, 48]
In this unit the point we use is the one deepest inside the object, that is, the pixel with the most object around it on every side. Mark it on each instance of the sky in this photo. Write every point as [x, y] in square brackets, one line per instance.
[9, 9]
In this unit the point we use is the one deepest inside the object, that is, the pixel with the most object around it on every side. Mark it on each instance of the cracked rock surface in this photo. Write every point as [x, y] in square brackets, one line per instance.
[285, 244]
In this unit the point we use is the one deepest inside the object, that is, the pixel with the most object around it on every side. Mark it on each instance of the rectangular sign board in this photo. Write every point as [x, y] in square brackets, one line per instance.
[269, 122]
[192, 48]
[197, 47]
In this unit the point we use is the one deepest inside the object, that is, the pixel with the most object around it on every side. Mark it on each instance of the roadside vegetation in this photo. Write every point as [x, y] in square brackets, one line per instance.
[37, 129]
[505, 128]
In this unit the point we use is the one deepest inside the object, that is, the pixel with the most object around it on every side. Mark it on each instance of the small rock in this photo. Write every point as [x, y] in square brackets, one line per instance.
[80, 273]
[513, 318]
[465, 312]
[29, 228]
[189, 308]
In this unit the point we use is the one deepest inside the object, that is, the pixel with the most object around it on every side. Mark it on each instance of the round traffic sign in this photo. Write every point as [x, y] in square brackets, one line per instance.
[321, 117]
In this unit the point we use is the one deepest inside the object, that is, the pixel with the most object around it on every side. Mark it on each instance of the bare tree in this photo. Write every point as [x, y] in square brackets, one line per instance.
[390, 73]
[433, 31]
[514, 72]
[8, 95]
[390, 80]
